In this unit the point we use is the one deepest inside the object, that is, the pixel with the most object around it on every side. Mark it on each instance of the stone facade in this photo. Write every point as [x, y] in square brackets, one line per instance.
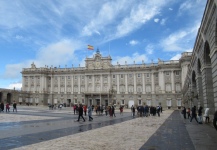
[200, 85]
[100, 82]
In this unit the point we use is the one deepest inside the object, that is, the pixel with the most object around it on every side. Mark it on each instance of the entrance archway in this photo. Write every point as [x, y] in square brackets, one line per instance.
[9, 98]
[130, 103]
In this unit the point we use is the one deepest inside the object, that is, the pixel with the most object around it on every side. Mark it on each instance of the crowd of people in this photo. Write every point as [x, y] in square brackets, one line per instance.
[7, 107]
[146, 111]
[193, 112]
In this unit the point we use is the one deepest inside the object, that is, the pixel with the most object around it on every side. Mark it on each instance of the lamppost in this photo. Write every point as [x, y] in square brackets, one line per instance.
[112, 91]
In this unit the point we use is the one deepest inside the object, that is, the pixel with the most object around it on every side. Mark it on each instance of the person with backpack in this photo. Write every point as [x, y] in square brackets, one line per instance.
[206, 114]
[80, 113]
[146, 111]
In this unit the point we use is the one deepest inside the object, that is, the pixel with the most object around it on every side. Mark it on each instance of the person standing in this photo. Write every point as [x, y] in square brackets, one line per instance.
[194, 115]
[106, 110]
[200, 115]
[133, 110]
[15, 106]
[74, 108]
[2, 107]
[113, 111]
[7, 107]
[110, 111]
[158, 111]
[121, 110]
[90, 113]
[184, 112]
[80, 113]
[189, 113]
[146, 111]
[206, 114]
[85, 109]
[215, 120]
[161, 109]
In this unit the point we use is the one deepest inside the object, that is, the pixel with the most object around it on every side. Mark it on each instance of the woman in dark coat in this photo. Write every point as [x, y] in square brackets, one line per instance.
[2, 106]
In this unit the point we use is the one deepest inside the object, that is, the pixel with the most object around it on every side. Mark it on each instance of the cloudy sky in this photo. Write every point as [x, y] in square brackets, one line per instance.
[53, 32]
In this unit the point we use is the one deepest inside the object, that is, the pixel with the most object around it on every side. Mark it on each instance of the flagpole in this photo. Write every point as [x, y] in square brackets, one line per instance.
[109, 48]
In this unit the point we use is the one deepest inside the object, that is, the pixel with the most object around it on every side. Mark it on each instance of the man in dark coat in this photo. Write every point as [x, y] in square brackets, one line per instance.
[214, 120]
[80, 113]
[2, 106]
[133, 110]
[194, 115]
[146, 111]
[161, 109]
[184, 112]
[113, 111]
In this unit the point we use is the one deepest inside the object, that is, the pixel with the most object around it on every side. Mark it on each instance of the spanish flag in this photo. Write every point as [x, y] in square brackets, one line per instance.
[90, 47]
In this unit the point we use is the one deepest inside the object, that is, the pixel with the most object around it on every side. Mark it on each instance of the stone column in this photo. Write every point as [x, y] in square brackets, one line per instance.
[72, 84]
[79, 84]
[126, 83]
[51, 80]
[173, 81]
[58, 84]
[86, 83]
[143, 84]
[118, 85]
[93, 80]
[23, 83]
[101, 82]
[199, 91]
[161, 81]
[152, 84]
[109, 81]
[134, 83]
[29, 83]
[45, 83]
[35, 77]
[65, 85]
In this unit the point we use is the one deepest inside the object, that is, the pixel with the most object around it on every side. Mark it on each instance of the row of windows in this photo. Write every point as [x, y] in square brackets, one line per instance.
[113, 76]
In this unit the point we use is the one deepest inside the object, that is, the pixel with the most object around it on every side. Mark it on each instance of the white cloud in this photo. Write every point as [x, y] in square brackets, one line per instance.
[133, 42]
[163, 21]
[97, 32]
[177, 41]
[19, 37]
[149, 49]
[176, 57]
[54, 54]
[170, 9]
[16, 85]
[156, 20]
[130, 59]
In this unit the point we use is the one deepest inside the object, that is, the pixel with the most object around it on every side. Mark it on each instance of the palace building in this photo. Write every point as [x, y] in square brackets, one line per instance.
[189, 81]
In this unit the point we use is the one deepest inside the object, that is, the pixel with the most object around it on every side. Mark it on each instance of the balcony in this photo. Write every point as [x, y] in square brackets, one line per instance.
[139, 92]
[122, 92]
[130, 92]
[68, 92]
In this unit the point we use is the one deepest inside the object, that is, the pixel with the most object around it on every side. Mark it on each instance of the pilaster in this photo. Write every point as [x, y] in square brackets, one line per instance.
[118, 85]
[173, 81]
[126, 83]
[152, 84]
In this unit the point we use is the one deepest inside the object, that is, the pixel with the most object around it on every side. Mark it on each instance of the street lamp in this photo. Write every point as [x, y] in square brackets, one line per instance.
[112, 91]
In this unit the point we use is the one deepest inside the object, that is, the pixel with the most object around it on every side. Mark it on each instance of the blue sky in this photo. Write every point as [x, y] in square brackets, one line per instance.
[57, 33]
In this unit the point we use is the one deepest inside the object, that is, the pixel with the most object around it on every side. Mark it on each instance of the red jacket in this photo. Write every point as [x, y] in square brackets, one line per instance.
[85, 108]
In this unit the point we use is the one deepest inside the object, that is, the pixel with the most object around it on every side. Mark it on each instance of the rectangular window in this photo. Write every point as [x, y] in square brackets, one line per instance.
[157, 103]
[147, 75]
[36, 100]
[113, 76]
[140, 102]
[149, 102]
[105, 76]
[114, 102]
[68, 77]
[177, 73]
[122, 102]
[75, 101]
[20, 99]
[168, 102]
[55, 78]
[26, 77]
[62, 78]
[130, 75]
[48, 101]
[139, 96]
[167, 73]
[38, 77]
[139, 75]
[179, 103]
[156, 75]
[122, 76]
[75, 77]
[122, 95]
[32, 77]
[49, 78]
[82, 101]
[89, 77]
[82, 77]
[55, 101]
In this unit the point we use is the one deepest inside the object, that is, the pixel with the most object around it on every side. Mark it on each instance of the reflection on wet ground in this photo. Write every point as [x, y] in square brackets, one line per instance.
[27, 139]
[172, 135]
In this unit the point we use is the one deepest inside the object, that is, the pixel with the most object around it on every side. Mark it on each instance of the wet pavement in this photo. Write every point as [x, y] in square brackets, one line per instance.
[172, 135]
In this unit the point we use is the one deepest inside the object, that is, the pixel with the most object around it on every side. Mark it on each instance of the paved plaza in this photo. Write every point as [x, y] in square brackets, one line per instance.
[41, 128]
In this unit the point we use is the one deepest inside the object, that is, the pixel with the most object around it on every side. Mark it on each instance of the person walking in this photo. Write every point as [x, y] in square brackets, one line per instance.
[110, 111]
[184, 112]
[106, 110]
[121, 110]
[189, 113]
[113, 111]
[7, 107]
[15, 106]
[90, 113]
[98, 109]
[215, 120]
[80, 113]
[85, 110]
[2, 107]
[158, 111]
[133, 109]
[161, 109]
[200, 115]
[206, 114]
[74, 108]
[194, 115]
